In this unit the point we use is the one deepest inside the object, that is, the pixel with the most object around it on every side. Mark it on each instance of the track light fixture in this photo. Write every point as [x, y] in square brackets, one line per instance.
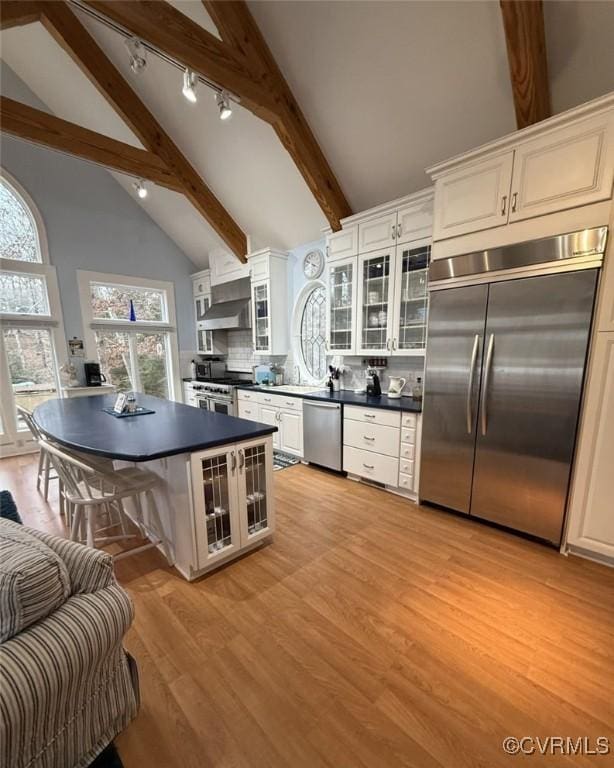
[189, 85]
[223, 103]
[138, 54]
[140, 188]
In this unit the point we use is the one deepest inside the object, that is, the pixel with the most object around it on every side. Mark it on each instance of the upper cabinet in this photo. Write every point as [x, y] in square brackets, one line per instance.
[269, 302]
[563, 169]
[340, 245]
[225, 266]
[207, 343]
[562, 163]
[378, 232]
[474, 197]
[377, 279]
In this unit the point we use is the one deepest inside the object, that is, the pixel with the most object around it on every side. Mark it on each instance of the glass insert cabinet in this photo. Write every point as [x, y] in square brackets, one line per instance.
[378, 301]
[233, 499]
[262, 316]
[204, 338]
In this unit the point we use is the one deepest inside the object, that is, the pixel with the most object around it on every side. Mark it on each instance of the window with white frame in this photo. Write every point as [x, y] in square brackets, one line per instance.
[309, 331]
[32, 336]
[130, 329]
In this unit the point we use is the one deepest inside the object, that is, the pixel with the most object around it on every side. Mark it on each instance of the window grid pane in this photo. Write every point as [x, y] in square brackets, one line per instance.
[31, 362]
[112, 302]
[22, 294]
[18, 235]
[313, 333]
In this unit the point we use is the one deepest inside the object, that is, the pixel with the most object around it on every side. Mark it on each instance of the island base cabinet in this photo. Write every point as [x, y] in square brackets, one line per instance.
[233, 500]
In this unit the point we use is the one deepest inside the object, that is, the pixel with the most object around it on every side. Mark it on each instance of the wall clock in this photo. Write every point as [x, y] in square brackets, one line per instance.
[313, 264]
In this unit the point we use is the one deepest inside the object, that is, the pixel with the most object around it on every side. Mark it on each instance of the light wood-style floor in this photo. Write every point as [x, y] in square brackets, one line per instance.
[371, 633]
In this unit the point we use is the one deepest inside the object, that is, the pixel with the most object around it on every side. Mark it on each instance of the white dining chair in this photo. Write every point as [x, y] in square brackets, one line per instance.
[91, 492]
[44, 466]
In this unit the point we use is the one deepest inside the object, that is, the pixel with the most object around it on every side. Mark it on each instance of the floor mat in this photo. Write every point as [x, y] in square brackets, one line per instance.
[282, 460]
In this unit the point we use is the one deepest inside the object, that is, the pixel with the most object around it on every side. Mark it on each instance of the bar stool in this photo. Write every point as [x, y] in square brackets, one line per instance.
[90, 491]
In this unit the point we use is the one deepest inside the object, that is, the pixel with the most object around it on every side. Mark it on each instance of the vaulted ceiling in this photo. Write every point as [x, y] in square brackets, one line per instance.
[387, 88]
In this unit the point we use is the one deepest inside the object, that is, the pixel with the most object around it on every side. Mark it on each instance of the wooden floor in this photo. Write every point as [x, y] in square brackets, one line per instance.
[370, 633]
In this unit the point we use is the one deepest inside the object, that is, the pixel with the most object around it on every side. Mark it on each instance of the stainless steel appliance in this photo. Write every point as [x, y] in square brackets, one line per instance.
[322, 442]
[208, 369]
[93, 376]
[218, 395]
[504, 372]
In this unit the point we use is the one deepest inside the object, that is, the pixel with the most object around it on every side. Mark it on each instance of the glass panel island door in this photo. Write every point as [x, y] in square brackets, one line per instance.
[255, 468]
[215, 503]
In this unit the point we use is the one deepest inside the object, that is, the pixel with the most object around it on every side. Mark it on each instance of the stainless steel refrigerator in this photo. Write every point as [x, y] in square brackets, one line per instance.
[504, 374]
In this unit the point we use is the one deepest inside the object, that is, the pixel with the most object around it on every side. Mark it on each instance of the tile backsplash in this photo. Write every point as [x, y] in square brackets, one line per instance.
[354, 371]
[240, 355]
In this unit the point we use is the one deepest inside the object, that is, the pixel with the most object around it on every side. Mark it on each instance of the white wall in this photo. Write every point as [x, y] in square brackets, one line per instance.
[92, 223]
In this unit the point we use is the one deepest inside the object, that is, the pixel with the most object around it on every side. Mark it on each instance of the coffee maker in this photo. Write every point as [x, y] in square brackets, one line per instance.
[93, 376]
[374, 388]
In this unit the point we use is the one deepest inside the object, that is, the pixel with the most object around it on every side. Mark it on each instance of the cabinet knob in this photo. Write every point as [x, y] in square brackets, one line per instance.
[394, 232]
[503, 205]
[399, 230]
[514, 201]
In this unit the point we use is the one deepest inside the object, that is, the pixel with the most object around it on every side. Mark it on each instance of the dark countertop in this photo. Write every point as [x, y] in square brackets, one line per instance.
[347, 397]
[80, 423]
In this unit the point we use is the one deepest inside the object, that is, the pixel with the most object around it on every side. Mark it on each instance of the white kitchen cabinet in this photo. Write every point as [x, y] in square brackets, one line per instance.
[371, 444]
[268, 414]
[410, 306]
[590, 529]
[378, 232]
[376, 272]
[415, 221]
[189, 396]
[247, 410]
[342, 244]
[371, 437]
[291, 431]
[232, 498]
[563, 169]
[270, 303]
[409, 458]
[207, 342]
[341, 306]
[372, 466]
[225, 266]
[473, 197]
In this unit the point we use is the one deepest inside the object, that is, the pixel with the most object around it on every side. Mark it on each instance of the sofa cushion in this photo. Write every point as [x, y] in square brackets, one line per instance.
[34, 581]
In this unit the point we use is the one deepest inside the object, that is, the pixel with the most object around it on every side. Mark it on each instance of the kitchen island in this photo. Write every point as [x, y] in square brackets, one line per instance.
[215, 494]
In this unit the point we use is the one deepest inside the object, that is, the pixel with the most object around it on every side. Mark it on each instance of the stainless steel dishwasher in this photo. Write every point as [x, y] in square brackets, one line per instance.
[322, 442]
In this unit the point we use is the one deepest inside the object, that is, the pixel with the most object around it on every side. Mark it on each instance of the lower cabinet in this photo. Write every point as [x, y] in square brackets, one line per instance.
[281, 411]
[291, 432]
[233, 499]
[267, 414]
[371, 444]
[590, 528]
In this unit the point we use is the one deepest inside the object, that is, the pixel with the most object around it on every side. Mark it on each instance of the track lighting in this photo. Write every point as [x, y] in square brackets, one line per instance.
[140, 188]
[189, 86]
[138, 54]
[223, 103]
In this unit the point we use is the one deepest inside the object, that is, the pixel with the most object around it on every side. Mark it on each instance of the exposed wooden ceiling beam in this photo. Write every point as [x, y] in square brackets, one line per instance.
[66, 28]
[243, 64]
[49, 131]
[15, 13]
[523, 22]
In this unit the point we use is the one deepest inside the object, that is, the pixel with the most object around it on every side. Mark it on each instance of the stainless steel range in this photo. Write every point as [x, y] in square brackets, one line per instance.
[218, 395]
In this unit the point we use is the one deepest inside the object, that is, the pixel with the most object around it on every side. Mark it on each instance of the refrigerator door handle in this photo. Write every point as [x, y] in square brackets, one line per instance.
[474, 357]
[487, 366]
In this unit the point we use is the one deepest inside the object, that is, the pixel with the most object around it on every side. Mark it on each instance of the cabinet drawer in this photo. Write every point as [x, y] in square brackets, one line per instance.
[382, 469]
[372, 415]
[408, 436]
[371, 437]
[406, 482]
[409, 420]
[408, 451]
[243, 394]
[248, 411]
[406, 466]
[274, 401]
[290, 403]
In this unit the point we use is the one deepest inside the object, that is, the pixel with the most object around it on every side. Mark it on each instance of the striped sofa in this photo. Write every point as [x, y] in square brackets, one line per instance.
[67, 687]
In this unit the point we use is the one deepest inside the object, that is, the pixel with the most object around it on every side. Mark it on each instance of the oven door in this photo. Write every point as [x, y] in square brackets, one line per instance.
[221, 405]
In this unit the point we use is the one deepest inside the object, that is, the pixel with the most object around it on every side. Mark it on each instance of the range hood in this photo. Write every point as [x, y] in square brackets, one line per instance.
[228, 315]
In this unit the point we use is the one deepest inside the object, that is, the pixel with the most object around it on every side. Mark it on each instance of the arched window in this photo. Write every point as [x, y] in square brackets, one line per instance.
[19, 229]
[310, 331]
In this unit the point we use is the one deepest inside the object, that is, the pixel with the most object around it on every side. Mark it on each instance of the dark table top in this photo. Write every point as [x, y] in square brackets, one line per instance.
[80, 423]
[347, 397]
